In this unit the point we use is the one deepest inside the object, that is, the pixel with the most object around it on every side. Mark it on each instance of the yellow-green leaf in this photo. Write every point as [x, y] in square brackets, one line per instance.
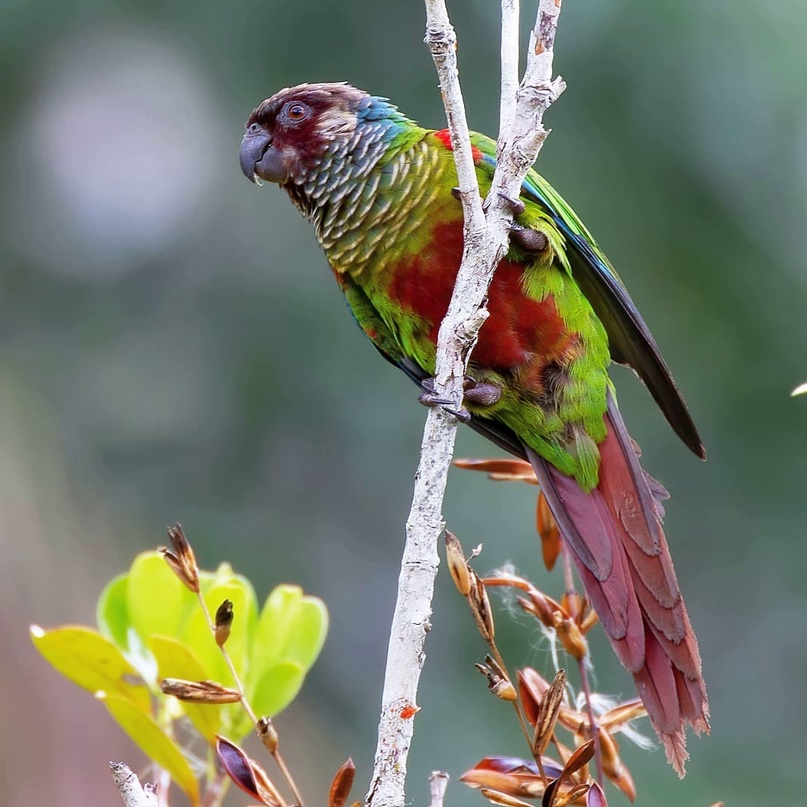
[275, 626]
[291, 628]
[277, 688]
[155, 743]
[91, 661]
[175, 660]
[157, 600]
[308, 632]
[196, 632]
[112, 611]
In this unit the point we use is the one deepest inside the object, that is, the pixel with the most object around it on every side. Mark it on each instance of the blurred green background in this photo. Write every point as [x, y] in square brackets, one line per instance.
[173, 348]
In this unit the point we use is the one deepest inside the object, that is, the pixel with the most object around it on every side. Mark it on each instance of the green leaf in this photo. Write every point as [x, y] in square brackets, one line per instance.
[275, 626]
[112, 611]
[196, 632]
[290, 634]
[277, 688]
[175, 660]
[91, 661]
[158, 602]
[155, 743]
[308, 633]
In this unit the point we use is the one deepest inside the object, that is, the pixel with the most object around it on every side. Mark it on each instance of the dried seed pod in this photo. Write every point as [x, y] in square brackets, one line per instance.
[548, 713]
[528, 785]
[589, 620]
[622, 713]
[480, 607]
[570, 795]
[612, 765]
[498, 682]
[544, 608]
[497, 797]
[224, 621]
[573, 604]
[199, 691]
[457, 565]
[595, 797]
[341, 784]
[503, 578]
[573, 641]
[548, 531]
[181, 560]
[246, 773]
[268, 734]
[576, 722]
[501, 470]
[578, 760]
[531, 688]
[504, 690]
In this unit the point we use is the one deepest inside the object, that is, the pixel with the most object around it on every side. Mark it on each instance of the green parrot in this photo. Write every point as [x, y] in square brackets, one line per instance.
[380, 192]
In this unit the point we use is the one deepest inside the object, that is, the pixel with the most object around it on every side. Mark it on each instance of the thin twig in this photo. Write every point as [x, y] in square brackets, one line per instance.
[162, 787]
[438, 782]
[216, 790]
[568, 572]
[509, 58]
[594, 728]
[521, 719]
[129, 787]
[279, 761]
[486, 239]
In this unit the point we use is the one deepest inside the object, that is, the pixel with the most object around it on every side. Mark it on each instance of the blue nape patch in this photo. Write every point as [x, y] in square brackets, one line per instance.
[378, 110]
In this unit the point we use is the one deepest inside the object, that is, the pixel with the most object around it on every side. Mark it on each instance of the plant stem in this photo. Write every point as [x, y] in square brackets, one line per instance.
[279, 761]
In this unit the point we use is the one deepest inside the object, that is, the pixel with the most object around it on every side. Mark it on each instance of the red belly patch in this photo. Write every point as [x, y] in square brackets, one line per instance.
[518, 330]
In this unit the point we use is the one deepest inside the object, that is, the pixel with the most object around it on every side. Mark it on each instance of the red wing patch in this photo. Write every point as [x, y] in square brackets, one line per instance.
[519, 331]
[444, 136]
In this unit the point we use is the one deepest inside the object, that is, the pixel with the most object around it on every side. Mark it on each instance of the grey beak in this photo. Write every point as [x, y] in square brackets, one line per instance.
[253, 147]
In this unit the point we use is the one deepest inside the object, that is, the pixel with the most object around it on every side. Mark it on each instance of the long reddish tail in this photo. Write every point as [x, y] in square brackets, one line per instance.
[618, 545]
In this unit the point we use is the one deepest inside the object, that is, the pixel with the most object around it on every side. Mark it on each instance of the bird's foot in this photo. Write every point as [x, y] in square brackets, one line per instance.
[528, 239]
[428, 397]
[517, 207]
[478, 393]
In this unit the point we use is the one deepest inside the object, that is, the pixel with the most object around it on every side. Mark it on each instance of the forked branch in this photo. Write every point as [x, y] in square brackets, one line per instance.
[486, 240]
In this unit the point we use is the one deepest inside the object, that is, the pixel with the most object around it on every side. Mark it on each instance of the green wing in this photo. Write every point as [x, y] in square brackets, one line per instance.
[374, 328]
[630, 340]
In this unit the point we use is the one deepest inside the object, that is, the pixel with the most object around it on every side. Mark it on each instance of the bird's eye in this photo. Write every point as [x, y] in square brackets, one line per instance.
[254, 128]
[295, 111]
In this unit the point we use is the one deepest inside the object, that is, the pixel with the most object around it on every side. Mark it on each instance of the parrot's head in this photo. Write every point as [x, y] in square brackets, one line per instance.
[289, 133]
[303, 133]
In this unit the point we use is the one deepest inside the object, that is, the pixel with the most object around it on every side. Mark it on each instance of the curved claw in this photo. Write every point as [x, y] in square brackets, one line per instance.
[477, 393]
[432, 399]
[515, 205]
[462, 415]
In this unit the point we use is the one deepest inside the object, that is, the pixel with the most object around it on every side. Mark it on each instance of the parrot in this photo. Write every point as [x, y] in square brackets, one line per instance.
[381, 194]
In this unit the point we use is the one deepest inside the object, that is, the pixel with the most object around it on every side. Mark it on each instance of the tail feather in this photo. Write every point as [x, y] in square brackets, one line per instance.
[618, 545]
[622, 623]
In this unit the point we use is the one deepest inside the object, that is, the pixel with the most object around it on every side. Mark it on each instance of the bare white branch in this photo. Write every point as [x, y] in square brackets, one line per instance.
[509, 57]
[129, 787]
[438, 782]
[486, 238]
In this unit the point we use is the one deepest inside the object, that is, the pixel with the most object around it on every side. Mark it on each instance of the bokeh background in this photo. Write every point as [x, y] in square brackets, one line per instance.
[173, 348]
